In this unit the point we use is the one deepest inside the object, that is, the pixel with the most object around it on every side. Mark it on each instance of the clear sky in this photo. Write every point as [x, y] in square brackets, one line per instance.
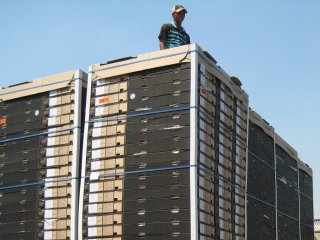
[271, 45]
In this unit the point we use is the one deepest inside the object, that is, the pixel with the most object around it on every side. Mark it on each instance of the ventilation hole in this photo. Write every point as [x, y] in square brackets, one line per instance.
[141, 212]
[176, 82]
[175, 210]
[175, 163]
[141, 224]
[144, 98]
[175, 174]
[142, 177]
[175, 222]
[144, 120]
[176, 196]
[177, 93]
[176, 151]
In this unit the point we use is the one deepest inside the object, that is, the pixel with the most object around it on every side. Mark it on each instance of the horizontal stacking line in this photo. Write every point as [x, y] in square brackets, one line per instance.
[45, 85]
[144, 171]
[260, 159]
[141, 61]
[37, 134]
[36, 183]
[228, 131]
[100, 175]
[124, 116]
[222, 178]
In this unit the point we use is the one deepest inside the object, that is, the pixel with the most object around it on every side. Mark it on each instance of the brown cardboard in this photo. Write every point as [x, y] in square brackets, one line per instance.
[45, 84]
[143, 62]
[258, 120]
[286, 147]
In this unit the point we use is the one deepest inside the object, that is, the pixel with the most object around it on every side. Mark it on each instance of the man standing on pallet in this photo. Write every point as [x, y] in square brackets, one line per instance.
[173, 34]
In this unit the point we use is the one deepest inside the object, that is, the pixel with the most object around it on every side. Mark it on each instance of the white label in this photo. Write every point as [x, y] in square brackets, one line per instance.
[49, 152]
[97, 124]
[99, 111]
[94, 187]
[48, 213]
[47, 235]
[92, 231]
[48, 193]
[48, 204]
[93, 208]
[50, 172]
[92, 221]
[47, 224]
[52, 132]
[96, 132]
[95, 165]
[53, 93]
[94, 176]
[51, 121]
[50, 162]
[53, 101]
[95, 154]
[100, 82]
[51, 141]
[96, 143]
[93, 197]
[99, 90]
[132, 96]
[53, 112]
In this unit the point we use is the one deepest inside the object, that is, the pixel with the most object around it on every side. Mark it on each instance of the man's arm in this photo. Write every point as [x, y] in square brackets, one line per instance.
[162, 45]
[163, 36]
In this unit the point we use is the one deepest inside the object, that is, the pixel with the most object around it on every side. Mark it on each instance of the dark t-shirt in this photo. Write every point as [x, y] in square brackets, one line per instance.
[173, 36]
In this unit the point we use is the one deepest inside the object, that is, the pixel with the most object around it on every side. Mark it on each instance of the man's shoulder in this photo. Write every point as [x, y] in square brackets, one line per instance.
[166, 26]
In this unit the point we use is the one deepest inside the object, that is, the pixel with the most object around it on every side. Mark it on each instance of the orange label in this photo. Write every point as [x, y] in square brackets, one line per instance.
[3, 120]
[203, 91]
[104, 100]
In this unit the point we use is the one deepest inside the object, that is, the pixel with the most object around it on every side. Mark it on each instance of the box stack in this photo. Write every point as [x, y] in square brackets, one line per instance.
[287, 188]
[40, 138]
[223, 116]
[157, 166]
[306, 201]
[261, 180]
[279, 186]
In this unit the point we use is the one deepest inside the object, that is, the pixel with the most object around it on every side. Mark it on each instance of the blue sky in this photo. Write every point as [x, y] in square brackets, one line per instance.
[272, 46]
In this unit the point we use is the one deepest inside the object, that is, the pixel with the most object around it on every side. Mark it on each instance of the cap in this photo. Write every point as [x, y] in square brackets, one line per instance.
[178, 8]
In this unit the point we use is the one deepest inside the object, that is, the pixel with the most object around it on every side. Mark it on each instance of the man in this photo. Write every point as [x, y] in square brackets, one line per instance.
[173, 34]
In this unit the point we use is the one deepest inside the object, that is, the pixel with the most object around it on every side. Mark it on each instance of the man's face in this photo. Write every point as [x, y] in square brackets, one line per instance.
[179, 16]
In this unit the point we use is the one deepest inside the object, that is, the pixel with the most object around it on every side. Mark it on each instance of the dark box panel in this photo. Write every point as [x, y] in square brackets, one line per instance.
[261, 180]
[306, 183]
[287, 166]
[306, 208]
[17, 194]
[307, 232]
[261, 221]
[261, 144]
[19, 235]
[17, 216]
[285, 192]
[20, 145]
[13, 228]
[287, 228]
[157, 228]
[155, 216]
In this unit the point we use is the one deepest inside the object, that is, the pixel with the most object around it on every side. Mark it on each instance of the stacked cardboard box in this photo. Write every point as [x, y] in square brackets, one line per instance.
[40, 139]
[164, 156]
[279, 186]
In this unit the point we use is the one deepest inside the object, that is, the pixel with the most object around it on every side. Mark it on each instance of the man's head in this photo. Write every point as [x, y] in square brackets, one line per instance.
[178, 14]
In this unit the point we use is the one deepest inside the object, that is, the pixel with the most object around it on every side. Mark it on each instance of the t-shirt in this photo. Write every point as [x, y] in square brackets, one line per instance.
[173, 36]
